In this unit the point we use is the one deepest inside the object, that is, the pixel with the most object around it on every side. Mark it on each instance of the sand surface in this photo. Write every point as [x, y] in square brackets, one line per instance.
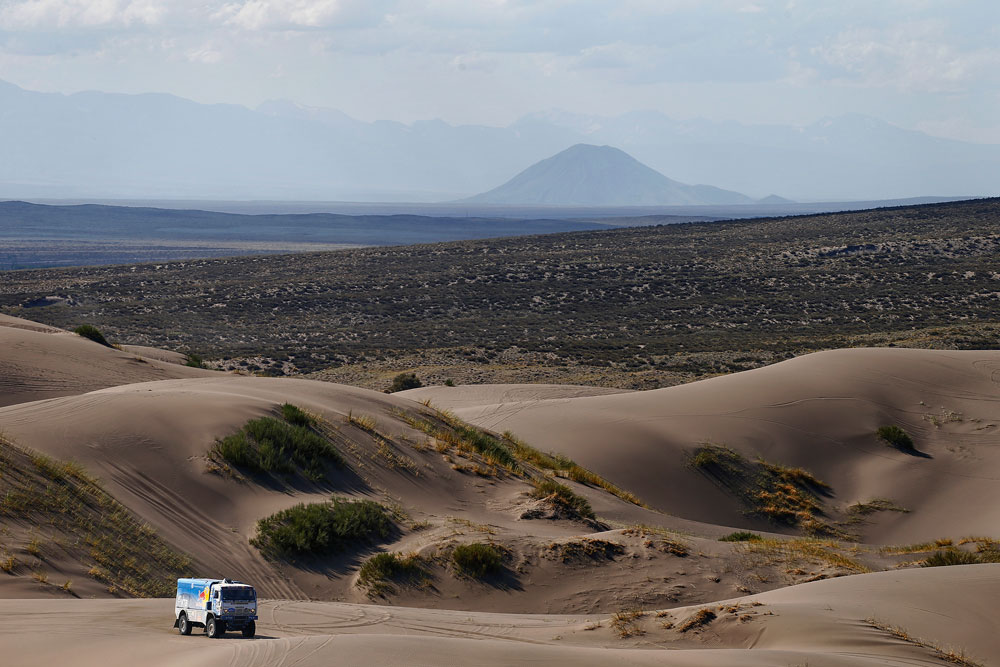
[823, 623]
[145, 426]
[39, 361]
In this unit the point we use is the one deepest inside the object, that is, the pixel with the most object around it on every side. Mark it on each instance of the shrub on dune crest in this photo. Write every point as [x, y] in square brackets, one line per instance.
[92, 333]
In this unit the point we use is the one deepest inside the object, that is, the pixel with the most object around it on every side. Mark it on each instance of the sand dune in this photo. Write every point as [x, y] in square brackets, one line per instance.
[819, 412]
[823, 623]
[39, 362]
[144, 428]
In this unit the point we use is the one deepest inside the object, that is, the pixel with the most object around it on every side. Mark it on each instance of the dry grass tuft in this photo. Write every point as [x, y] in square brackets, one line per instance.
[700, 618]
[38, 490]
[625, 623]
[948, 655]
[586, 549]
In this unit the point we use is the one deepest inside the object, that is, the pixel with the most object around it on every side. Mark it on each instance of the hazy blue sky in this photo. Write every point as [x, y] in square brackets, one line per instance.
[922, 64]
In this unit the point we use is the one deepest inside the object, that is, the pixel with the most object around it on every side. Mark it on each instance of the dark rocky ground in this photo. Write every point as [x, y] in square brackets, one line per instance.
[634, 307]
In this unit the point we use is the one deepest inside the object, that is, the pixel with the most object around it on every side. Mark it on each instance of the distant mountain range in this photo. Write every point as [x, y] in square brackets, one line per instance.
[586, 175]
[103, 145]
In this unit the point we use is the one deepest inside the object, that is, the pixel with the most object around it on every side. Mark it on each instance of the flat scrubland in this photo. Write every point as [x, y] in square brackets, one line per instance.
[637, 308]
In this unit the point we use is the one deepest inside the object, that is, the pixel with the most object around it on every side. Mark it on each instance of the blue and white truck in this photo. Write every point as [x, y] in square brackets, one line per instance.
[216, 605]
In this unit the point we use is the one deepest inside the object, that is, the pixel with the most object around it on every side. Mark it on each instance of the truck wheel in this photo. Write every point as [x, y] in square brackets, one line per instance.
[250, 629]
[183, 626]
[213, 628]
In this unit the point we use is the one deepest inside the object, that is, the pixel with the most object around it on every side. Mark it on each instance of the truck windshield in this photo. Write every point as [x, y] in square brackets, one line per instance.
[237, 594]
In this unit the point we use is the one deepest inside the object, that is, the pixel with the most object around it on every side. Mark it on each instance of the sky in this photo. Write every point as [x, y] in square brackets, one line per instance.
[930, 65]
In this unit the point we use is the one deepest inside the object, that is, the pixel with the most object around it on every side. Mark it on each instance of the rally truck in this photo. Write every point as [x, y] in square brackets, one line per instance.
[216, 605]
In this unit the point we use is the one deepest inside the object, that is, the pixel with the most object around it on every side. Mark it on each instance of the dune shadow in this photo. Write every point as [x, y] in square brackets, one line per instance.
[505, 580]
[335, 480]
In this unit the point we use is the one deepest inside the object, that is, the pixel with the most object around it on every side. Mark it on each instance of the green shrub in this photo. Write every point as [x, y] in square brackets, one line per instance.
[93, 333]
[710, 457]
[270, 445]
[562, 496]
[477, 560]
[492, 450]
[405, 381]
[295, 415]
[950, 557]
[449, 383]
[194, 360]
[377, 572]
[896, 437]
[741, 536]
[322, 528]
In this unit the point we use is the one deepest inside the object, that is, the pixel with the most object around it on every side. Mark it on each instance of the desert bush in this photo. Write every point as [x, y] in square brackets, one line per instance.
[377, 573]
[896, 437]
[270, 445]
[194, 360]
[741, 536]
[950, 557]
[322, 528]
[295, 415]
[477, 560]
[91, 332]
[563, 497]
[405, 381]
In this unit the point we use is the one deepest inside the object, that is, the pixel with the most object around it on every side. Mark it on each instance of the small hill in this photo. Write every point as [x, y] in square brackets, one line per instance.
[775, 199]
[586, 175]
[45, 362]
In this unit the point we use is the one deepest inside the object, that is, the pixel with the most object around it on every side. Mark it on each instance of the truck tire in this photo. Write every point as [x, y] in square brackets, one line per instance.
[250, 629]
[183, 626]
[213, 628]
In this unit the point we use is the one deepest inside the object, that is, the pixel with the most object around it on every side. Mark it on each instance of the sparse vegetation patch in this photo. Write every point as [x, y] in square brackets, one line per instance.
[741, 536]
[896, 437]
[563, 498]
[700, 618]
[625, 623]
[318, 529]
[378, 574]
[405, 381]
[782, 494]
[586, 550]
[91, 332]
[127, 555]
[284, 446]
[477, 560]
[950, 655]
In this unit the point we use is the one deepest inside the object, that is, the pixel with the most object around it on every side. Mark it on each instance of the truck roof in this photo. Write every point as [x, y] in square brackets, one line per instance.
[209, 582]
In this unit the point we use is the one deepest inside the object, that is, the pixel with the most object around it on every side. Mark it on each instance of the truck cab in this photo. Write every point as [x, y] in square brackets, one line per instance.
[217, 605]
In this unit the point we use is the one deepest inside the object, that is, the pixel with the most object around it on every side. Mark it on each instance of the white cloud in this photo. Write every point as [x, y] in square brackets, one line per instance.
[910, 57]
[62, 14]
[297, 14]
[205, 55]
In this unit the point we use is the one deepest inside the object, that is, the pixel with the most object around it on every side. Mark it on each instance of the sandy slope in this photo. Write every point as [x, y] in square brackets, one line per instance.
[819, 412]
[44, 362]
[148, 443]
[144, 428]
[822, 623]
